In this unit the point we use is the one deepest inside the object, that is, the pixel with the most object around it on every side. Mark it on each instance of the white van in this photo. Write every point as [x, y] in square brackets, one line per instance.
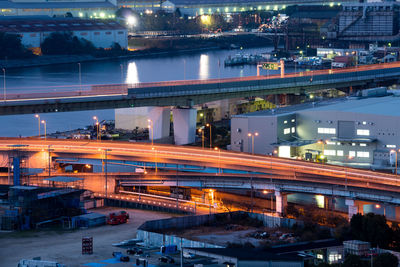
[39, 263]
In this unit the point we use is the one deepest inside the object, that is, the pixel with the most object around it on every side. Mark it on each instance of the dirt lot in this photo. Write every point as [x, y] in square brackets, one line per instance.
[65, 246]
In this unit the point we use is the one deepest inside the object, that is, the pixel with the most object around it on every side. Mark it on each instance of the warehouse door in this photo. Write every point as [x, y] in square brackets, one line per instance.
[346, 129]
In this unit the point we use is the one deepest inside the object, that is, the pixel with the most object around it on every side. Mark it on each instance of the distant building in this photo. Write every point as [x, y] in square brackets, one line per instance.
[363, 131]
[33, 30]
[101, 9]
[369, 22]
[196, 8]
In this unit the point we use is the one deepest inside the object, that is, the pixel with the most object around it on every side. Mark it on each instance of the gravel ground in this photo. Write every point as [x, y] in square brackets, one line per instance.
[65, 246]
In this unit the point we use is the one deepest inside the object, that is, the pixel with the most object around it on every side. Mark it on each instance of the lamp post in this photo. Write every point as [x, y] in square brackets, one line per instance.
[38, 117]
[122, 73]
[4, 84]
[252, 140]
[209, 125]
[155, 158]
[151, 127]
[202, 137]
[80, 76]
[97, 128]
[45, 130]
[219, 159]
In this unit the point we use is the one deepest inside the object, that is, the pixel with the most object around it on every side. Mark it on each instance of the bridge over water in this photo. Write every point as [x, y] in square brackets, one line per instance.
[190, 92]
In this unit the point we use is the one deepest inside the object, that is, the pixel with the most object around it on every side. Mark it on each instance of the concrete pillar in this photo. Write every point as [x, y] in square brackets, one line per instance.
[160, 117]
[184, 125]
[353, 209]
[130, 118]
[281, 202]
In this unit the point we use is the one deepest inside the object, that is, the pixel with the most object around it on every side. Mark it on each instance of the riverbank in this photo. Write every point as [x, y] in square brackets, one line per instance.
[150, 47]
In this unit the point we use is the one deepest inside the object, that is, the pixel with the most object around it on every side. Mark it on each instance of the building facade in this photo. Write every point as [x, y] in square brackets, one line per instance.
[369, 21]
[362, 132]
[33, 31]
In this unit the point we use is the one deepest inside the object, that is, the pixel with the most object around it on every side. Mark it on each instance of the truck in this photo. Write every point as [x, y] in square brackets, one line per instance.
[116, 218]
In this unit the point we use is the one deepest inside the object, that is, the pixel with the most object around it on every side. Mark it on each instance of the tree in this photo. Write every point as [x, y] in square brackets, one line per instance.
[372, 228]
[64, 43]
[386, 260]
[11, 46]
[354, 261]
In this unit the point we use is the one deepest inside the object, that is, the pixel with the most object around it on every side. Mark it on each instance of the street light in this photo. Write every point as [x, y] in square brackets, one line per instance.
[98, 128]
[4, 83]
[45, 130]
[38, 117]
[151, 127]
[209, 125]
[252, 140]
[80, 76]
[219, 159]
[202, 137]
[155, 157]
[122, 73]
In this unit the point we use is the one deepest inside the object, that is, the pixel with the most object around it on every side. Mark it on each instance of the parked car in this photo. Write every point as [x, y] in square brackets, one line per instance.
[120, 257]
[166, 259]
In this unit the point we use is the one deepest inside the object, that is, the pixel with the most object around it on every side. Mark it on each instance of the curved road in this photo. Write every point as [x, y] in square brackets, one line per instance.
[287, 169]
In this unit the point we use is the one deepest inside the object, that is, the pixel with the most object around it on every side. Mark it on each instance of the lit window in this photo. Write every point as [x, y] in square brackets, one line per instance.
[353, 144]
[285, 122]
[293, 129]
[286, 131]
[362, 144]
[363, 154]
[340, 153]
[326, 130]
[330, 143]
[293, 120]
[364, 122]
[391, 146]
[362, 132]
[352, 154]
[328, 152]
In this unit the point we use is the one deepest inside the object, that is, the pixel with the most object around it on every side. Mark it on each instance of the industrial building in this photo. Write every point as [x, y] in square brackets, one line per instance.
[195, 8]
[101, 9]
[359, 131]
[368, 21]
[33, 30]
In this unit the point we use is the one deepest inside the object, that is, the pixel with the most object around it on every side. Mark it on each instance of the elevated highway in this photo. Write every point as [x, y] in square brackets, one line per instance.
[202, 168]
[188, 93]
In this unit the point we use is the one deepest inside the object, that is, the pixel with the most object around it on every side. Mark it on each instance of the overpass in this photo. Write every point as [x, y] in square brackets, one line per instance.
[201, 168]
[184, 94]
[190, 92]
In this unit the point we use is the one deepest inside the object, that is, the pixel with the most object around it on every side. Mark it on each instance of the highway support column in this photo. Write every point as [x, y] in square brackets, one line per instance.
[131, 118]
[160, 122]
[353, 209]
[184, 125]
[281, 202]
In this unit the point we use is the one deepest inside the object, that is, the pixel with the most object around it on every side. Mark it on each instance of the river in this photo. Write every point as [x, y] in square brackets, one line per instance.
[199, 65]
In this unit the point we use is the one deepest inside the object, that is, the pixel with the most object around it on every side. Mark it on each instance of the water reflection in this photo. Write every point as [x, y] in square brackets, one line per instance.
[132, 75]
[204, 68]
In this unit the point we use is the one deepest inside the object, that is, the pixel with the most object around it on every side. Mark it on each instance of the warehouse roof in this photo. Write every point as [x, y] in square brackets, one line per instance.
[248, 254]
[46, 24]
[386, 106]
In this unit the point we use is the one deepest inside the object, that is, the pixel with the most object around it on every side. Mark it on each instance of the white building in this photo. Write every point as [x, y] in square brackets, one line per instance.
[102, 33]
[364, 132]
